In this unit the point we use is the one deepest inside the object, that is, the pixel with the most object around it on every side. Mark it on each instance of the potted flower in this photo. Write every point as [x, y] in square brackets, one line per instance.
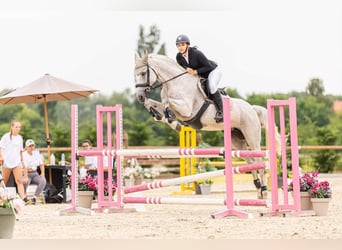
[321, 190]
[134, 173]
[9, 207]
[87, 186]
[306, 182]
[320, 195]
[151, 173]
[205, 186]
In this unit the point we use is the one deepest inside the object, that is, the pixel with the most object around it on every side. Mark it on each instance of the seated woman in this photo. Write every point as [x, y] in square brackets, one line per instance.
[90, 162]
[33, 160]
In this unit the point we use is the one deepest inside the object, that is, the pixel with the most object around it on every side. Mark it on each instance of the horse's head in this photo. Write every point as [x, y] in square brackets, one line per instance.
[144, 77]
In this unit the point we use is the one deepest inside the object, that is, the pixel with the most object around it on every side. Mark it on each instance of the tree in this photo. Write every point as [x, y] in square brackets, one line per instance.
[325, 160]
[311, 110]
[157, 133]
[147, 42]
[315, 87]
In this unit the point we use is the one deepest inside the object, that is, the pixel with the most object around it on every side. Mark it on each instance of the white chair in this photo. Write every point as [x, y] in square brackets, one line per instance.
[30, 190]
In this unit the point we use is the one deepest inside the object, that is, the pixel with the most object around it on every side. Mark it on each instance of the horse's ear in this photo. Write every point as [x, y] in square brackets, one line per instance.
[145, 58]
[136, 57]
[146, 52]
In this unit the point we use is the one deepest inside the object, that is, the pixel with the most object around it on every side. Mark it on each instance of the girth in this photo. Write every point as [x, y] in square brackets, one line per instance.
[195, 122]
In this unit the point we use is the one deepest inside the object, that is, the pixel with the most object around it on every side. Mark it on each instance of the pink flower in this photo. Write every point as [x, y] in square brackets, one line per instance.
[320, 190]
[306, 181]
[88, 183]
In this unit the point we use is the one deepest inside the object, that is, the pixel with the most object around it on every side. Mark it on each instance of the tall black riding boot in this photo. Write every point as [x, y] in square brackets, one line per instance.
[218, 104]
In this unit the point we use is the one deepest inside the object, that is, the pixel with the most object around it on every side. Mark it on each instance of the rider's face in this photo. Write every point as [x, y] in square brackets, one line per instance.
[182, 47]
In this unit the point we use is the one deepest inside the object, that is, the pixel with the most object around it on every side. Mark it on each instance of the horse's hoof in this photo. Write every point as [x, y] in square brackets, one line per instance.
[264, 195]
[259, 193]
[263, 192]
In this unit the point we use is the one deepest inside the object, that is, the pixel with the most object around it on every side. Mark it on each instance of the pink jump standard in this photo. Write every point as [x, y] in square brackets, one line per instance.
[117, 202]
[228, 161]
[284, 206]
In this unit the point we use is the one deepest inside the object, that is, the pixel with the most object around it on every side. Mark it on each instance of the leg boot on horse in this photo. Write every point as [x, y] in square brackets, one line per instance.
[261, 189]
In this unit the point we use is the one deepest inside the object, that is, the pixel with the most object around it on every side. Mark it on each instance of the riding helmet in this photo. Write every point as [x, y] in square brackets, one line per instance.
[182, 39]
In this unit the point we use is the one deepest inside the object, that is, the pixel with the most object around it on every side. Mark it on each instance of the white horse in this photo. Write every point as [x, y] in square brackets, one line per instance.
[183, 99]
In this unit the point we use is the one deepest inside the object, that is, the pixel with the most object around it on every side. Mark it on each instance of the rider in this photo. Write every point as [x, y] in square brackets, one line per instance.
[196, 63]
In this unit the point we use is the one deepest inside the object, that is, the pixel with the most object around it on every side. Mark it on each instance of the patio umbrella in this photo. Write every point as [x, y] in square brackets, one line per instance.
[46, 89]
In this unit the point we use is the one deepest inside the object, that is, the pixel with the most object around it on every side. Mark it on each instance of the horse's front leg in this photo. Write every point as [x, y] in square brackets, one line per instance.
[157, 110]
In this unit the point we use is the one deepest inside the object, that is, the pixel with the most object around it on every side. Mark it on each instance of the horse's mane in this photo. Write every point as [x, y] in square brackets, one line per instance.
[157, 57]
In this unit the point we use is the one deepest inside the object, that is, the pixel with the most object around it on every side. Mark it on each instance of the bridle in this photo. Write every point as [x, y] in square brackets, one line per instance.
[148, 85]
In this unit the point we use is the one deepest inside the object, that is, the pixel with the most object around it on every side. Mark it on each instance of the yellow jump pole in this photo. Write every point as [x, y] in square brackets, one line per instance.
[187, 166]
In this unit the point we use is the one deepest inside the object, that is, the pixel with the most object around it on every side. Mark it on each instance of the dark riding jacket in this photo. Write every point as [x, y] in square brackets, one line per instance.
[197, 61]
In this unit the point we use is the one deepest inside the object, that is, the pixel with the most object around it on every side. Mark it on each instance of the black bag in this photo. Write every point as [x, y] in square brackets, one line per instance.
[51, 194]
[58, 198]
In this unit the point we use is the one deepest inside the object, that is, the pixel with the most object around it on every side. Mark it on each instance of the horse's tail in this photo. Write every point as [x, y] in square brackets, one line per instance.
[262, 115]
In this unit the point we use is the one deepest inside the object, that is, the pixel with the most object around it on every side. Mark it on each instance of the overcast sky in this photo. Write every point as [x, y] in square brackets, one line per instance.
[262, 46]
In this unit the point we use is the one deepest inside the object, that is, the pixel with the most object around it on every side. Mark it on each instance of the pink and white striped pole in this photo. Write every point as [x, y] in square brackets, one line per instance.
[191, 178]
[203, 201]
[171, 153]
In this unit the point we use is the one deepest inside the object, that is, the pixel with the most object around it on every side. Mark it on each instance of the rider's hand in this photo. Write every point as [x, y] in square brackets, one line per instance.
[191, 71]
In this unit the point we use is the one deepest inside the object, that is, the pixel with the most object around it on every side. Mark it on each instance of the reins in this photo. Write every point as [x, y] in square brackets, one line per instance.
[161, 84]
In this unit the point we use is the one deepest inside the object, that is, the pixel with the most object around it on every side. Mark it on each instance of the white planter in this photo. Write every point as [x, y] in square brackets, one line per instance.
[85, 198]
[320, 206]
[205, 188]
[7, 222]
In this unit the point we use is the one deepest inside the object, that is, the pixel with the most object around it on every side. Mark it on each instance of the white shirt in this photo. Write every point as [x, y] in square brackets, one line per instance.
[106, 161]
[11, 149]
[32, 161]
[91, 161]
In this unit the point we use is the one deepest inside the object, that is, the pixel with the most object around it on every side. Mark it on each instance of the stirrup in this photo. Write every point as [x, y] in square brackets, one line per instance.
[219, 117]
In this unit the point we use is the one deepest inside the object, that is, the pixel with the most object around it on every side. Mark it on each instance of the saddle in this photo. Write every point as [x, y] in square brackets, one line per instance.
[195, 121]
[204, 84]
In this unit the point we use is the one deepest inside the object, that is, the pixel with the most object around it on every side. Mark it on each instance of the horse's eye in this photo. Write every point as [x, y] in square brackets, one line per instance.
[143, 73]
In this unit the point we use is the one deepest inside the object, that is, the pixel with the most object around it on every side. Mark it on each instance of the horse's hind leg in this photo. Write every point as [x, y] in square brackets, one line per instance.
[239, 143]
[259, 179]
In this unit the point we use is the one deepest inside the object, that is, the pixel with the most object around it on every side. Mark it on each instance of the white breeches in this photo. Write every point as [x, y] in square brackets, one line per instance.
[214, 80]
